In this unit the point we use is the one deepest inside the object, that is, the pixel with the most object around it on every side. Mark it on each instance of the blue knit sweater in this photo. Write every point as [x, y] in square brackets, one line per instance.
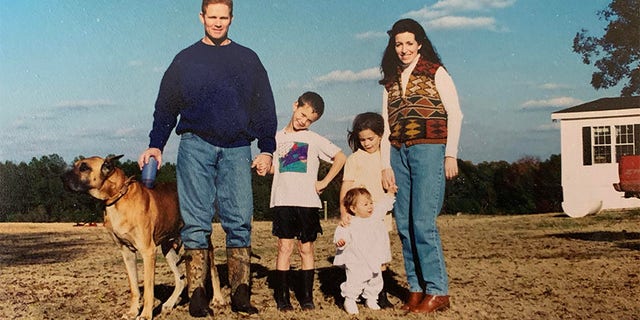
[221, 93]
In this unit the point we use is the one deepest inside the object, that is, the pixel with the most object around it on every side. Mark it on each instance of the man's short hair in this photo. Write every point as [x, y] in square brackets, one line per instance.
[206, 3]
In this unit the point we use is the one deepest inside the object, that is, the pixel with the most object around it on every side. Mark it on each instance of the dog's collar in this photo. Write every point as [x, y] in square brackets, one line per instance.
[125, 187]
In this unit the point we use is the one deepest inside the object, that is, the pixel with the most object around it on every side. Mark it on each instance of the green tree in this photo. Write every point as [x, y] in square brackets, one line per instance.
[617, 51]
[470, 192]
[514, 186]
[46, 188]
[548, 185]
[15, 193]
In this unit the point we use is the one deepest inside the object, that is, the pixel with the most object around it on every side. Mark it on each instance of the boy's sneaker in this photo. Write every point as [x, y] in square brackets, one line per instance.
[350, 306]
[372, 304]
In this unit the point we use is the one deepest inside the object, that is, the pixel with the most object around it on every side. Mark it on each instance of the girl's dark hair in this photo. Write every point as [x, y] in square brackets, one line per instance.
[368, 120]
[351, 197]
[390, 60]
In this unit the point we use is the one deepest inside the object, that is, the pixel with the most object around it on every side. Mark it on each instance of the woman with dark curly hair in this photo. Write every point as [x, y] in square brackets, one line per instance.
[422, 129]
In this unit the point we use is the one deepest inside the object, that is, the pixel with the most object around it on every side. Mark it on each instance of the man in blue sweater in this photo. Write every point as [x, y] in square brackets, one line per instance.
[221, 94]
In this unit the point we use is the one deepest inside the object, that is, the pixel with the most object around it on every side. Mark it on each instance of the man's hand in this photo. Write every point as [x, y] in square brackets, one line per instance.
[262, 163]
[151, 152]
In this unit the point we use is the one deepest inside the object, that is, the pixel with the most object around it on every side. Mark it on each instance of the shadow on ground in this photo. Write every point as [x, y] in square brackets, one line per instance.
[42, 248]
[622, 239]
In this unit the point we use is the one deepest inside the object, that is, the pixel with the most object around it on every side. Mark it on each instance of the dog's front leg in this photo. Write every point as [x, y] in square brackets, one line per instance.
[218, 298]
[149, 271]
[129, 258]
[172, 258]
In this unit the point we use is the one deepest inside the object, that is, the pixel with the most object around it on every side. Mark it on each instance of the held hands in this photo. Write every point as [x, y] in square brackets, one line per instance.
[262, 163]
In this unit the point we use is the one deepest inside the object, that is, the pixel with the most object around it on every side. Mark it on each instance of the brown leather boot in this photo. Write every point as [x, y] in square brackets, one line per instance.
[413, 300]
[197, 263]
[432, 304]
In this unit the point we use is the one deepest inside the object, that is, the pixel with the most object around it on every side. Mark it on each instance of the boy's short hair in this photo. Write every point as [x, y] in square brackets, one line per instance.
[351, 197]
[314, 100]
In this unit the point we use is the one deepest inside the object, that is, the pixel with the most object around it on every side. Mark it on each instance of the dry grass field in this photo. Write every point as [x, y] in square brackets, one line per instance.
[544, 266]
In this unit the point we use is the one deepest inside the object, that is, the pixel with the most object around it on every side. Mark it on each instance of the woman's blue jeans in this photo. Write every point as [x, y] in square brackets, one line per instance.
[419, 173]
[213, 179]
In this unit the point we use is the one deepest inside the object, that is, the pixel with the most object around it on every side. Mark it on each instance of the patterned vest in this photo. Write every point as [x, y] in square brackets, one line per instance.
[418, 116]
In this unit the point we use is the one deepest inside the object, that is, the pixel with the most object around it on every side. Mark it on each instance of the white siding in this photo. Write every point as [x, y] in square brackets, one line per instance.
[585, 187]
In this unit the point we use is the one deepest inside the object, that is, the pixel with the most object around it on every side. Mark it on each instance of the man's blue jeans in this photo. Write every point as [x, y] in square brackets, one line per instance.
[214, 179]
[419, 173]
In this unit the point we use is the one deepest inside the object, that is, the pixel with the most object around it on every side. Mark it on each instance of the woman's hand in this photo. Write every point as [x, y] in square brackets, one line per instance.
[389, 180]
[450, 167]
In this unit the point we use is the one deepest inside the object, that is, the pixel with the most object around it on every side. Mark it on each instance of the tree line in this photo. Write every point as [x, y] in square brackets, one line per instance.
[33, 192]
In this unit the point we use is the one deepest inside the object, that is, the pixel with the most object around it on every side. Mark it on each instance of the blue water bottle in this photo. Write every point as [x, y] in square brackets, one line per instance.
[149, 173]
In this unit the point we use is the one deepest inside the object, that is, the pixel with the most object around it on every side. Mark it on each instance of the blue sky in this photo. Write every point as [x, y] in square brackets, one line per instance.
[80, 77]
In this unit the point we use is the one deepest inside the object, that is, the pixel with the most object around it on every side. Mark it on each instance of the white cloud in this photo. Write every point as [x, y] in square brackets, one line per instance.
[554, 126]
[83, 104]
[550, 103]
[458, 22]
[426, 13]
[454, 14]
[349, 76]
[128, 132]
[370, 35]
[472, 5]
[554, 86]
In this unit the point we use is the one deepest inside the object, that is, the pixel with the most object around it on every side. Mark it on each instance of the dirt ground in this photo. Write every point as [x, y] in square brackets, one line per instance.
[501, 267]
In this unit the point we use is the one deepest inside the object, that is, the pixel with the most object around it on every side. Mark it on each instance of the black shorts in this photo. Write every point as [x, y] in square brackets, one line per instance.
[296, 223]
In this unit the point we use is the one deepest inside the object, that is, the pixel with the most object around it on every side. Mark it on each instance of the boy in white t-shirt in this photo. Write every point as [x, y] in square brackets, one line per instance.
[295, 194]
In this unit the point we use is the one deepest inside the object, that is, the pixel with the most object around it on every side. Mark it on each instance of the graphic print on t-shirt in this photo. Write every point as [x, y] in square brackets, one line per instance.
[295, 158]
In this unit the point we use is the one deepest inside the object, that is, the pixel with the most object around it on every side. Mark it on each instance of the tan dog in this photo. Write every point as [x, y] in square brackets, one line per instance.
[138, 219]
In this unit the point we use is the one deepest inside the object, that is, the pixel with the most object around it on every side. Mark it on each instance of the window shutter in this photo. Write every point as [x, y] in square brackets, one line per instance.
[636, 139]
[586, 146]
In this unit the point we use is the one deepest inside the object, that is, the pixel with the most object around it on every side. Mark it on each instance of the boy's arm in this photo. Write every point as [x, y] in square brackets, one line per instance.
[338, 161]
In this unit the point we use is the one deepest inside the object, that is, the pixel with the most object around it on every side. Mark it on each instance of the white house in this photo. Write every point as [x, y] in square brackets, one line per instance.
[594, 135]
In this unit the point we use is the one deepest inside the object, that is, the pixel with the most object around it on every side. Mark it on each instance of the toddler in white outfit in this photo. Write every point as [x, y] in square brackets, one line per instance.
[362, 247]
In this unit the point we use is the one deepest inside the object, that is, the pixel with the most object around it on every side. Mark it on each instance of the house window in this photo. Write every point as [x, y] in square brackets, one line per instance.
[624, 141]
[599, 146]
[602, 144]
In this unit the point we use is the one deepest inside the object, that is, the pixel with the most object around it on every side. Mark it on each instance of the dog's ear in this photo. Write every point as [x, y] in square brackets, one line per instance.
[109, 164]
